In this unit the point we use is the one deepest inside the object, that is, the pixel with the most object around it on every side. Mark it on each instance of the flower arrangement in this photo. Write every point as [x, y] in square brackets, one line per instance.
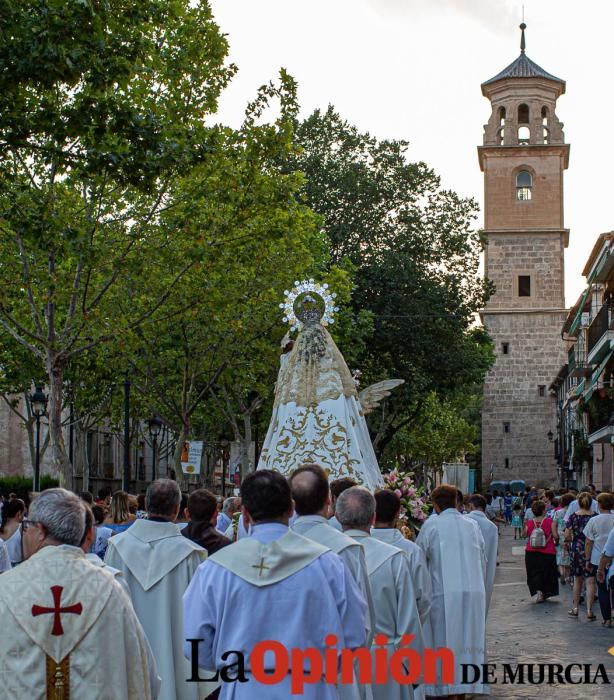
[414, 506]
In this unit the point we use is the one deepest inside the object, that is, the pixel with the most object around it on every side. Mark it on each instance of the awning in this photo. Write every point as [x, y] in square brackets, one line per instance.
[597, 376]
[576, 322]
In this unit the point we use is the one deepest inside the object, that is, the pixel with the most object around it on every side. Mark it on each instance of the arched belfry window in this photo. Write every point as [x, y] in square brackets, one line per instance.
[501, 130]
[545, 130]
[524, 185]
[524, 133]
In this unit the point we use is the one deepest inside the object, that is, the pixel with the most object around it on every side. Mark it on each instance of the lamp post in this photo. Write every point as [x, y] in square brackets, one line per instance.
[155, 426]
[224, 444]
[38, 405]
[126, 474]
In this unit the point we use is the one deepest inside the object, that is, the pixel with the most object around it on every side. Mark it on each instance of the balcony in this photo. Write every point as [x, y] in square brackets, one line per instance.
[576, 360]
[600, 410]
[601, 334]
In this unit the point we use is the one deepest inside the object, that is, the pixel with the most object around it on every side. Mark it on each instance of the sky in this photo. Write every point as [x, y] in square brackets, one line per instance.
[412, 70]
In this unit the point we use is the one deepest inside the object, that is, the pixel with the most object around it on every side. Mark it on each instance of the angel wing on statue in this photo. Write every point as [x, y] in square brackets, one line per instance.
[371, 397]
[317, 414]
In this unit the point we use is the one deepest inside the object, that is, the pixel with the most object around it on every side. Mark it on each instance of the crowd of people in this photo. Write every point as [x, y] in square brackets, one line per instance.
[173, 597]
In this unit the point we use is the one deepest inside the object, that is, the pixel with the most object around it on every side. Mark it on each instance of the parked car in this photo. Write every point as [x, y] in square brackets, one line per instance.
[517, 486]
[502, 487]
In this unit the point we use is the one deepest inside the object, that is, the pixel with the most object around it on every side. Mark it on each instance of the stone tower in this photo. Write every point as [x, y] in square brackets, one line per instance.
[523, 159]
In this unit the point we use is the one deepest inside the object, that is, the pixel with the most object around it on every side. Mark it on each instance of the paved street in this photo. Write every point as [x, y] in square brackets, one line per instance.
[522, 632]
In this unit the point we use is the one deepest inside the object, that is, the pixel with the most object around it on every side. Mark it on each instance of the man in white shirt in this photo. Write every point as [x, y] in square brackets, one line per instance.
[224, 519]
[597, 531]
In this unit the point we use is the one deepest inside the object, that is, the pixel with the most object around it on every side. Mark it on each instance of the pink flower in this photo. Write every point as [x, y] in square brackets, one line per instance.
[398, 492]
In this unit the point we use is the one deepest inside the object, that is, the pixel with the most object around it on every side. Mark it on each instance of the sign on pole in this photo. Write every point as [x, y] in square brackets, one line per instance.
[191, 456]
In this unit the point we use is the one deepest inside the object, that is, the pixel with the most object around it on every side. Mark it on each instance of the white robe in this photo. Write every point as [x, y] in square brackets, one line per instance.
[454, 549]
[158, 563]
[108, 653]
[299, 611]
[417, 566]
[5, 559]
[394, 599]
[317, 528]
[317, 415]
[490, 533]
[116, 573]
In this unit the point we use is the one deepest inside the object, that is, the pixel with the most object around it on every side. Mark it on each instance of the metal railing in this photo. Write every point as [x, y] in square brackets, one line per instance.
[600, 325]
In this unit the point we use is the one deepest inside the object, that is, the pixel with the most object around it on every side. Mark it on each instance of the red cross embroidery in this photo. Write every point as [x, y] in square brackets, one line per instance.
[57, 611]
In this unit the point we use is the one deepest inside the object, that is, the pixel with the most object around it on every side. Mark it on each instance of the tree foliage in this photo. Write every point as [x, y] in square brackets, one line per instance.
[416, 256]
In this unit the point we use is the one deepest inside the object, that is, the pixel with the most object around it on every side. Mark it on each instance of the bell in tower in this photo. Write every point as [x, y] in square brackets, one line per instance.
[523, 98]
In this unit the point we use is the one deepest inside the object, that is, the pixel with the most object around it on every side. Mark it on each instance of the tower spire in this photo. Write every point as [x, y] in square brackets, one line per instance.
[523, 43]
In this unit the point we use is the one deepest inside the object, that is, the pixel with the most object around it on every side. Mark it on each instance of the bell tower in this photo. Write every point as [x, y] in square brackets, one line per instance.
[523, 159]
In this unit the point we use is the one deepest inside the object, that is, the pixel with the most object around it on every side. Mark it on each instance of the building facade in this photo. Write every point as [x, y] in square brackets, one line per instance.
[523, 158]
[588, 402]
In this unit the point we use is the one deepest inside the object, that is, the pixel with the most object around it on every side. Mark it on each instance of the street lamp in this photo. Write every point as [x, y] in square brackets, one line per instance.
[550, 436]
[155, 426]
[224, 444]
[38, 406]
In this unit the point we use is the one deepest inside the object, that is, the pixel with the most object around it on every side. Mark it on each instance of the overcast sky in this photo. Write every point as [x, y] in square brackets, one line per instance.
[412, 69]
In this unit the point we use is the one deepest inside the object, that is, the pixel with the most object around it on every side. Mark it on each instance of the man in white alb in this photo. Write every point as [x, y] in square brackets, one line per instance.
[387, 510]
[69, 631]
[392, 587]
[454, 549]
[311, 495]
[490, 533]
[273, 585]
[158, 564]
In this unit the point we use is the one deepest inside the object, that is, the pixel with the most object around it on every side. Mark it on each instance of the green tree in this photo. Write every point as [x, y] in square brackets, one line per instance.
[103, 105]
[416, 256]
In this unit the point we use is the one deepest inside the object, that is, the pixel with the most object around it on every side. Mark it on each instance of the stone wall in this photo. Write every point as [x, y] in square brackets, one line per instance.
[539, 255]
[512, 396]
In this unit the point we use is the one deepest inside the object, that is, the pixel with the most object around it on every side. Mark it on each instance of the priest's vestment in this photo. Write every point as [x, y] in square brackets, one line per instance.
[318, 529]
[273, 585]
[394, 599]
[454, 549]
[158, 563]
[490, 533]
[73, 632]
[417, 566]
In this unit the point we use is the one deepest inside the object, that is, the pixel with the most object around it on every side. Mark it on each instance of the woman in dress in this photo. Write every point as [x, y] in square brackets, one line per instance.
[574, 535]
[562, 549]
[540, 561]
[13, 514]
[120, 518]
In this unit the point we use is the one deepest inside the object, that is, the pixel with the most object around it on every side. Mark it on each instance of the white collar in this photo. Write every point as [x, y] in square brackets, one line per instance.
[268, 532]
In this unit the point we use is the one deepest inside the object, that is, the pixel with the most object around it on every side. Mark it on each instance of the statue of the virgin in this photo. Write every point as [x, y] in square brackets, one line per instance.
[318, 414]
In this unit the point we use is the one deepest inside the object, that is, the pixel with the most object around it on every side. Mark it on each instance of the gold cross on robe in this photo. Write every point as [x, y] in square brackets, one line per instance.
[260, 567]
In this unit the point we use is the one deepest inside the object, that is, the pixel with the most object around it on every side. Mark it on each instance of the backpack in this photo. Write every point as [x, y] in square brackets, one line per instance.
[538, 540]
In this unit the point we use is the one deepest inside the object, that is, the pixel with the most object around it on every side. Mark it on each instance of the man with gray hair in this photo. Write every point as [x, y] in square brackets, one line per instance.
[392, 587]
[73, 630]
[158, 564]
[230, 507]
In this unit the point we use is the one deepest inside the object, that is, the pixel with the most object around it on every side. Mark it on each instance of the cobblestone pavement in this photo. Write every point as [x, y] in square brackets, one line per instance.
[519, 631]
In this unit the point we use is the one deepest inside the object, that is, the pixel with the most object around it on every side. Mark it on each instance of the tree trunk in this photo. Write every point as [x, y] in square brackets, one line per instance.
[60, 462]
[181, 438]
[85, 458]
[245, 442]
